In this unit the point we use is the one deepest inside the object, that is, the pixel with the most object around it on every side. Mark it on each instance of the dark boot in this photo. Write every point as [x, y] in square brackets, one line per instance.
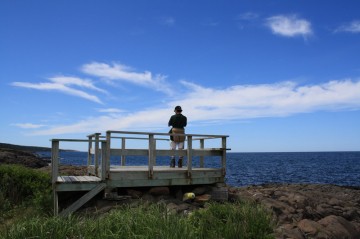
[172, 162]
[180, 162]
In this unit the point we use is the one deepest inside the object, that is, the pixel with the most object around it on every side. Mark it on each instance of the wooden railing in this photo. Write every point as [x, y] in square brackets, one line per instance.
[152, 151]
[101, 148]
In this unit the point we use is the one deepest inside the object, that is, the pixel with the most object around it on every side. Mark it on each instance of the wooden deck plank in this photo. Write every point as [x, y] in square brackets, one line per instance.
[66, 179]
[74, 179]
[77, 179]
[136, 176]
[82, 179]
[94, 179]
[89, 178]
[59, 179]
[140, 172]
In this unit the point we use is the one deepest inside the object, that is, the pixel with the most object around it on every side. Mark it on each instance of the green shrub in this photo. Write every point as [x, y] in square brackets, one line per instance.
[20, 185]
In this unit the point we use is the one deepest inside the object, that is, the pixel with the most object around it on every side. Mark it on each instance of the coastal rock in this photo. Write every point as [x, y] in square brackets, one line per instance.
[308, 211]
[312, 229]
[134, 193]
[339, 227]
[201, 190]
[156, 191]
[203, 198]
[10, 156]
[289, 231]
[172, 208]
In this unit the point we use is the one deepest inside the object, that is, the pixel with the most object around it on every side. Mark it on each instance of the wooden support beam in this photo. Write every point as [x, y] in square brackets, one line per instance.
[104, 158]
[55, 172]
[56, 201]
[152, 148]
[89, 153]
[84, 199]
[96, 154]
[54, 160]
[108, 153]
[223, 157]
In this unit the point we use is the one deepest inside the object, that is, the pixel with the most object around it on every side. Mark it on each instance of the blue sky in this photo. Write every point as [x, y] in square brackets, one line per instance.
[273, 75]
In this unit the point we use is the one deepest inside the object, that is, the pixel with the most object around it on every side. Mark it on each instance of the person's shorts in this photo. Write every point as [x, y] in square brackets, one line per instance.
[178, 138]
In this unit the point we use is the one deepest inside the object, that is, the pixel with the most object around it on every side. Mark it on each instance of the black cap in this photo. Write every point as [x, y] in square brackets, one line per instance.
[178, 108]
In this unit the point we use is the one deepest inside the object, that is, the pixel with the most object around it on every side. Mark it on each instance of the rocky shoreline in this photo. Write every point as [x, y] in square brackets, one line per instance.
[308, 210]
[300, 211]
[27, 159]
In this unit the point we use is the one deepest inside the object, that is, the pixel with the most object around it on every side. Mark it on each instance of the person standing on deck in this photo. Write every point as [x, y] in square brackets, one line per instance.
[178, 122]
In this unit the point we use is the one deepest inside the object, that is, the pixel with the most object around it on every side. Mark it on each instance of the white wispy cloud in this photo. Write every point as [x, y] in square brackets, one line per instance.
[271, 100]
[65, 85]
[119, 72]
[353, 27]
[110, 110]
[84, 83]
[289, 26]
[203, 105]
[28, 125]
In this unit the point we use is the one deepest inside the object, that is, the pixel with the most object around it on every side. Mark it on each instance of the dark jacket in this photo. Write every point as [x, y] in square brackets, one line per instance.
[178, 121]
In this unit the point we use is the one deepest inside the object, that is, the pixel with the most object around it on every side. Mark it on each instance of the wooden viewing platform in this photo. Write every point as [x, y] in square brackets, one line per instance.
[103, 176]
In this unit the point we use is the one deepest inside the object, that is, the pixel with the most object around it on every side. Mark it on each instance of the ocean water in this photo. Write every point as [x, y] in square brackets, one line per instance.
[339, 168]
[245, 169]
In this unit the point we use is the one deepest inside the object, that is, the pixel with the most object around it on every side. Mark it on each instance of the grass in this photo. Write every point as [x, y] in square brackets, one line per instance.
[228, 220]
[214, 221]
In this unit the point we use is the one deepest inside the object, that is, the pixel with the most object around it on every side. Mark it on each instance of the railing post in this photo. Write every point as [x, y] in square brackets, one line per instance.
[189, 155]
[202, 144]
[108, 153]
[223, 157]
[55, 159]
[96, 154]
[55, 172]
[152, 148]
[103, 160]
[123, 157]
[89, 154]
